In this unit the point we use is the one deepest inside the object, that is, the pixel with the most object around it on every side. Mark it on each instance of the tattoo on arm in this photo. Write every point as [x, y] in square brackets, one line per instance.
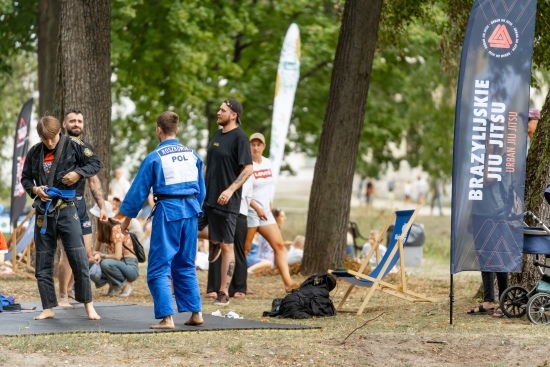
[230, 269]
[242, 177]
[98, 195]
[95, 187]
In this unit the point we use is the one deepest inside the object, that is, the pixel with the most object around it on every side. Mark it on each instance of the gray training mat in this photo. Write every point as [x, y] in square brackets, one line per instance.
[117, 319]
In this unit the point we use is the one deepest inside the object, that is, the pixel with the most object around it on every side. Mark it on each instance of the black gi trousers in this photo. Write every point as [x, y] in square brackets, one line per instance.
[238, 283]
[64, 224]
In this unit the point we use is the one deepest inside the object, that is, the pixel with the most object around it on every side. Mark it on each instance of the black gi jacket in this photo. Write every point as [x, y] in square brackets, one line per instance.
[76, 157]
[81, 184]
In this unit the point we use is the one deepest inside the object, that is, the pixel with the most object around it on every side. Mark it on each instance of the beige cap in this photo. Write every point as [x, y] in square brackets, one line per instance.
[258, 136]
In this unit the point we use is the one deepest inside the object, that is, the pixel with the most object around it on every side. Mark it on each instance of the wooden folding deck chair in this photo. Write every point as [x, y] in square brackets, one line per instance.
[19, 256]
[394, 253]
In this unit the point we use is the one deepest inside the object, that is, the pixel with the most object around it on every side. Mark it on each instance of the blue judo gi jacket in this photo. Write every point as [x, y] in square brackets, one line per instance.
[171, 169]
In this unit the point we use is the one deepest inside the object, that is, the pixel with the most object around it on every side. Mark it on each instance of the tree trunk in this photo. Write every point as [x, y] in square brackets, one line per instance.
[83, 75]
[537, 177]
[329, 203]
[48, 33]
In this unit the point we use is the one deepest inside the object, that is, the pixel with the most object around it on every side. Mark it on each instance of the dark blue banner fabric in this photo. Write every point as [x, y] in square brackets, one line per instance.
[20, 147]
[490, 137]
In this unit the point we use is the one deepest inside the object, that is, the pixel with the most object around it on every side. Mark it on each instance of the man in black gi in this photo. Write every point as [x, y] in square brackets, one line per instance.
[56, 213]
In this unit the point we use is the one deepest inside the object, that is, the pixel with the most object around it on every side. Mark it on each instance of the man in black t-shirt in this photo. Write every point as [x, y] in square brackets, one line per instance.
[73, 125]
[229, 164]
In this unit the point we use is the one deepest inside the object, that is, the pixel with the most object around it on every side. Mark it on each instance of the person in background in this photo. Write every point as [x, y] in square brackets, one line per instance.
[488, 278]
[493, 209]
[134, 226]
[146, 210]
[119, 266]
[369, 192]
[119, 185]
[3, 248]
[296, 252]
[407, 192]
[420, 187]
[261, 219]
[350, 245]
[436, 192]
[373, 236]
[534, 117]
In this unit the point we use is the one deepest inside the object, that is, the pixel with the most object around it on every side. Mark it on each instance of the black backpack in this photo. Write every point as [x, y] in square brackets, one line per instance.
[311, 299]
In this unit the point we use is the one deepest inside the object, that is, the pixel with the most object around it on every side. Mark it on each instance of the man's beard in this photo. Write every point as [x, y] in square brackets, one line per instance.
[74, 135]
[222, 122]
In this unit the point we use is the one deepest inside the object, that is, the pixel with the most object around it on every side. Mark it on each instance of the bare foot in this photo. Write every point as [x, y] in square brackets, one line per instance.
[63, 301]
[195, 320]
[167, 323]
[45, 314]
[90, 310]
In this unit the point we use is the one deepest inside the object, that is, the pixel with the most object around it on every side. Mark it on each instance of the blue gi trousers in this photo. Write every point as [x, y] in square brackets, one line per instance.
[173, 250]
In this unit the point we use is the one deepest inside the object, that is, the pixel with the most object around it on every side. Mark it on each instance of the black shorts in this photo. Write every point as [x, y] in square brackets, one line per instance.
[85, 223]
[221, 224]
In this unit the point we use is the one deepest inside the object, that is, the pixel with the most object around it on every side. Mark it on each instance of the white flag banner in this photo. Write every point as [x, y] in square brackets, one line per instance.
[288, 74]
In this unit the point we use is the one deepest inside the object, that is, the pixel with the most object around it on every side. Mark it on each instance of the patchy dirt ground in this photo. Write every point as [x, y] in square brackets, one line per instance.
[403, 334]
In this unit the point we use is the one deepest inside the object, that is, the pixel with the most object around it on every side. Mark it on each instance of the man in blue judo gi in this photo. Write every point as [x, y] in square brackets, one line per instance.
[174, 172]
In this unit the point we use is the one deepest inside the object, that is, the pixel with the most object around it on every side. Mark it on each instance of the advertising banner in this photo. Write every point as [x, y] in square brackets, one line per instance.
[20, 147]
[288, 74]
[490, 137]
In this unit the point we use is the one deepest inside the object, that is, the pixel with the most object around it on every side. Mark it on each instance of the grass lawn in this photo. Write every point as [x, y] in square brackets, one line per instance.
[404, 334]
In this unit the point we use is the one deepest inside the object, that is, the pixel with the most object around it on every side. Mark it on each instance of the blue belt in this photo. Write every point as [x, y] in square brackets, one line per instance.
[55, 194]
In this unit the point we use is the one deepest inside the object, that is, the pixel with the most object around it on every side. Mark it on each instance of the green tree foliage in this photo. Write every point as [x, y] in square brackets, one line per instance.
[189, 56]
[18, 30]
[410, 97]
[16, 88]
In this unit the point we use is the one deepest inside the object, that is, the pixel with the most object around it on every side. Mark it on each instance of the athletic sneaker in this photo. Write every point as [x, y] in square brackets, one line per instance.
[214, 251]
[221, 300]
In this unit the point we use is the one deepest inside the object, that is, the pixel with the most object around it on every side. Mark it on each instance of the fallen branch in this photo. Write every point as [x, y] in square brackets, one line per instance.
[359, 327]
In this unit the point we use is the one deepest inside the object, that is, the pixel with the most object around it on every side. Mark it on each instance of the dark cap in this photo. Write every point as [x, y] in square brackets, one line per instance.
[236, 107]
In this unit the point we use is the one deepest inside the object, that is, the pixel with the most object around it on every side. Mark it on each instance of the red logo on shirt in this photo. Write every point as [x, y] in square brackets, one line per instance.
[263, 173]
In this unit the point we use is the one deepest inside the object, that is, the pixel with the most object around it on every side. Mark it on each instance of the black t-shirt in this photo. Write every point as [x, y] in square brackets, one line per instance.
[227, 154]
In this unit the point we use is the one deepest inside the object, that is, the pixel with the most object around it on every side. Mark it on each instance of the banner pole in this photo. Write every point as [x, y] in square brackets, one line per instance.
[451, 301]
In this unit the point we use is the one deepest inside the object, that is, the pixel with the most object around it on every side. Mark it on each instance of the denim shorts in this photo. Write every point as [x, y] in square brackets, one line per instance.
[254, 221]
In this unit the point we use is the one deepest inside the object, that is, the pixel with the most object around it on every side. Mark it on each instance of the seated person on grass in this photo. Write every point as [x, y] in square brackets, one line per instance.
[296, 252]
[3, 248]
